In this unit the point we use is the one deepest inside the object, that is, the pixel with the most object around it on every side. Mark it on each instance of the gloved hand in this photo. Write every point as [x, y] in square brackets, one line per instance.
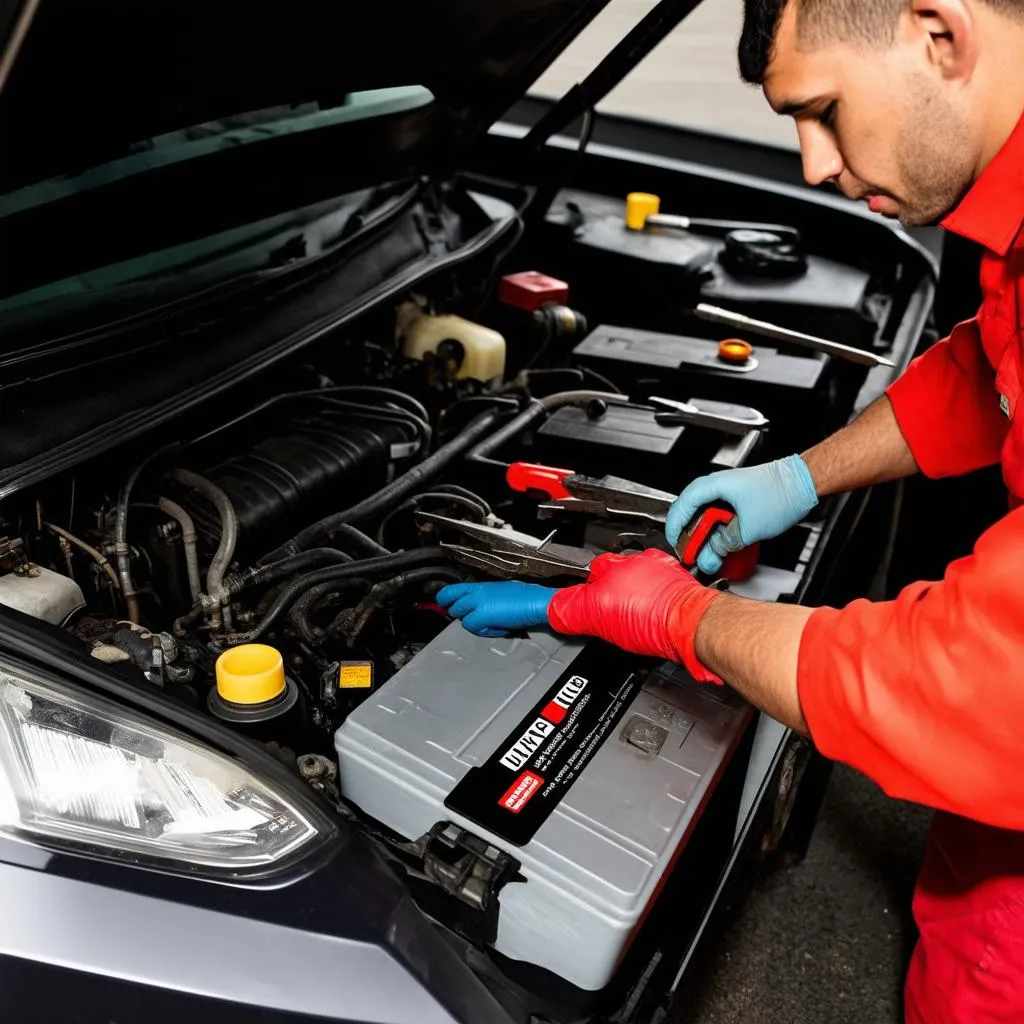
[492, 609]
[768, 500]
[646, 603]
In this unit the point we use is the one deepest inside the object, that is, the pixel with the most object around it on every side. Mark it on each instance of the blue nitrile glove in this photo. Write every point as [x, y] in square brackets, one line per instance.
[768, 500]
[493, 609]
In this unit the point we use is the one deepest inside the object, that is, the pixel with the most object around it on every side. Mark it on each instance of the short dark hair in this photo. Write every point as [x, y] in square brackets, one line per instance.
[820, 21]
[757, 39]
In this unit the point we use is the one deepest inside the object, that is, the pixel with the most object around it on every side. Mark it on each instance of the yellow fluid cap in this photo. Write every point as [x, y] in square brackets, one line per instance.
[735, 350]
[250, 674]
[640, 206]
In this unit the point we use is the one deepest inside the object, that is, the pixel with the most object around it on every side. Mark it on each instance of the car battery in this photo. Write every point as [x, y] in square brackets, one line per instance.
[793, 391]
[621, 273]
[628, 441]
[587, 765]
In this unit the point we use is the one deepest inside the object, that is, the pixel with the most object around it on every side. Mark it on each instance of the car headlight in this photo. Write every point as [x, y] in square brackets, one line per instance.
[85, 771]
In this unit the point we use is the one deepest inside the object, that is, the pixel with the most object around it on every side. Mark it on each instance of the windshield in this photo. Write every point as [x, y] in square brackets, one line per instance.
[199, 206]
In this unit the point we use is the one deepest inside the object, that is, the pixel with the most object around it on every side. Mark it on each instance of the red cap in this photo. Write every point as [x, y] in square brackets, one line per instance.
[740, 565]
[530, 290]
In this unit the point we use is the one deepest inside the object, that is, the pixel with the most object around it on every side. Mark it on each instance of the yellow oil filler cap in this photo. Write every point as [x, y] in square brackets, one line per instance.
[250, 674]
[640, 206]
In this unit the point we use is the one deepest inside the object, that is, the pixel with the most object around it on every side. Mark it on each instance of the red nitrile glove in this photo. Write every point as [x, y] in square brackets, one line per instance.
[646, 603]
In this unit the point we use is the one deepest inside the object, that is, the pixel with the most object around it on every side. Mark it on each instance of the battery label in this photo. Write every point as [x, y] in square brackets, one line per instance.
[520, 792]
[512, 793]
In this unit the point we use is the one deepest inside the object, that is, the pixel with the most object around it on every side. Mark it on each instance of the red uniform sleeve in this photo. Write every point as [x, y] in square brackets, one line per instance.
[947, 406]
[925, 693]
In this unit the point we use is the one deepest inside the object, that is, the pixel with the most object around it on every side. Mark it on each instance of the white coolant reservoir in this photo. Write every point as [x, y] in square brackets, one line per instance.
[470, 350]
[41, 593]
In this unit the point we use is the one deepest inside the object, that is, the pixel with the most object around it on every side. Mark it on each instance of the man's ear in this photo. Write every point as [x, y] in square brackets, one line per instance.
[949, 32]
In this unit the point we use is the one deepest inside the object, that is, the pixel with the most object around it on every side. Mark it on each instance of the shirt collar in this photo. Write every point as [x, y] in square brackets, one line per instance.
[993, 209]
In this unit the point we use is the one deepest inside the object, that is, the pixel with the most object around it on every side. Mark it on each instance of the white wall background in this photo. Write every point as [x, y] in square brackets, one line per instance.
[690, 79]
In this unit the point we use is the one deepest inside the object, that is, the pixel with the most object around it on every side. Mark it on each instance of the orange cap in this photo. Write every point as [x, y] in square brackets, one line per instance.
[735, 350]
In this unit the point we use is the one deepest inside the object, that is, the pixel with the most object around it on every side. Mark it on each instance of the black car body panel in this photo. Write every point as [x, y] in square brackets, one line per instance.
[93, 78]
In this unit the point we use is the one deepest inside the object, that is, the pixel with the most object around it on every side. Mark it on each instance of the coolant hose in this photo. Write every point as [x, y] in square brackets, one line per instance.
[188, 538]
[393, 492]
[369, 567]
[228, 540]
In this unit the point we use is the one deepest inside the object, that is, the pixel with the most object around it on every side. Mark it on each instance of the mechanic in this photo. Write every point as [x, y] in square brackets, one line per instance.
[915, 107]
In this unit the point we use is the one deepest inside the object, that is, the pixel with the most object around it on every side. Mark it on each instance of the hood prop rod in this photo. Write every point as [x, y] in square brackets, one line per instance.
[644, 36]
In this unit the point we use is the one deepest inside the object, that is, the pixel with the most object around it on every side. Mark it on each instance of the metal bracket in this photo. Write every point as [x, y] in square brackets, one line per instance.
[466, 866]
[12, 555]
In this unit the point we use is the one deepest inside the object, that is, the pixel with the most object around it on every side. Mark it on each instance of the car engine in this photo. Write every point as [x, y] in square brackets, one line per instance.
[274, 564]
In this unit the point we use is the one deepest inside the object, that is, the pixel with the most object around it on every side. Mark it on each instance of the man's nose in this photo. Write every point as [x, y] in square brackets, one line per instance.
[819, 153]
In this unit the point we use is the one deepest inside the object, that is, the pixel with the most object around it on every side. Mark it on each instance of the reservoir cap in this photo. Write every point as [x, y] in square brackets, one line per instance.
[250, 674]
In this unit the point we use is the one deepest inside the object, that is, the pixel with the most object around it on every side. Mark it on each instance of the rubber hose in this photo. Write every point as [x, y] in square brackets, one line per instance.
[363, 542]
[228, 539]
[391, 564]
[538, 408]
[121, 550]
[300, 613]
[417, 500]
[186, 621]
[483, 451]
[188, 538]
[97, 556]
[561, 398]
[393, 492]
[386, 589]
[394, 394]
[304, 561]
[387, 413]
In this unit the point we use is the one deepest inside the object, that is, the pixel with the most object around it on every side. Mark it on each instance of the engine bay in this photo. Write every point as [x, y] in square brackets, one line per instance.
[275, 564]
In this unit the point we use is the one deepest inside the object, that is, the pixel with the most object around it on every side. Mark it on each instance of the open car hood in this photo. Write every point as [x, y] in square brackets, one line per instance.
[95, 77]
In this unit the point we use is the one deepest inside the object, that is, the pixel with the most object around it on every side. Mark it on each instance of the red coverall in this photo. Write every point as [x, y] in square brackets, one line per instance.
[925, 694]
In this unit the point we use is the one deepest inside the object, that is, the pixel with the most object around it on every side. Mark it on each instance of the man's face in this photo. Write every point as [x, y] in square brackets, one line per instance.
[877, 121]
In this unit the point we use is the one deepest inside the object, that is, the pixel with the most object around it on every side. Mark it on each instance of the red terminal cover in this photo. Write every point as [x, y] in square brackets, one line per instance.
[706, 522]
[529, 290]
[531, 476]
[737, 566]
[740, 565]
